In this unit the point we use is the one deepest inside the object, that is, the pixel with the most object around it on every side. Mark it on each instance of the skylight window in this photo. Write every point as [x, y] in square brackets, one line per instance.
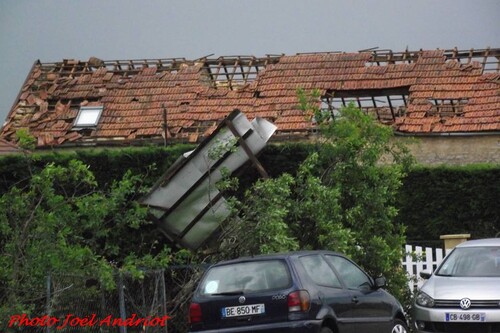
[88, 116]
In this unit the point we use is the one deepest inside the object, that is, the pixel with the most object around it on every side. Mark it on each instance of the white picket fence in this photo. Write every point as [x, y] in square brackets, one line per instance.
[417, 259]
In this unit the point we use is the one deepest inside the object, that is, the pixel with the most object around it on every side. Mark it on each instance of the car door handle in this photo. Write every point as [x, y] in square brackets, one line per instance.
[355, 299]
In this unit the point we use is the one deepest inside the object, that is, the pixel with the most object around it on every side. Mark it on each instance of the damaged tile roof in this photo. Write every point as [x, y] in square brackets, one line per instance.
[418, 93]
[7, 147]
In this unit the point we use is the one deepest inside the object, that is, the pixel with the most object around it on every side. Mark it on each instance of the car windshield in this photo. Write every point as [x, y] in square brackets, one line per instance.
[472, 262]
[246, 277]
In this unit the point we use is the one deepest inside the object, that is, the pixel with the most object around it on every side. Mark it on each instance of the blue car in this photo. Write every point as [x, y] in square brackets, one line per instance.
[307, 291]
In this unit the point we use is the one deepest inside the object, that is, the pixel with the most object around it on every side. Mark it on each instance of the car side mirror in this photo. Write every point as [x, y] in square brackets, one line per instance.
[380, 282]
[425, 274]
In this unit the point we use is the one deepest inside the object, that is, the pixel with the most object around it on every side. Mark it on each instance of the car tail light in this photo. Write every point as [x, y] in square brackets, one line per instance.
[299, 301]
[194, 313]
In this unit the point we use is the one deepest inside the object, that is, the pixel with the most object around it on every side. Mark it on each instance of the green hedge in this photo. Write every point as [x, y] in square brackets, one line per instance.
[106, 164]
[451, 200]
[433, 200]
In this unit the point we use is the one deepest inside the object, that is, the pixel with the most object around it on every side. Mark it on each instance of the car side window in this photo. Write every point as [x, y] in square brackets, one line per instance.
[353, 277]
[319, 271]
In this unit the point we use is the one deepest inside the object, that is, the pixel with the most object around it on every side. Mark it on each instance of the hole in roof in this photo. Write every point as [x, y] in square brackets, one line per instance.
[236, 72]
[385, 104]
[446, 108]
[183, 106]
[387, 57]
[487, 59]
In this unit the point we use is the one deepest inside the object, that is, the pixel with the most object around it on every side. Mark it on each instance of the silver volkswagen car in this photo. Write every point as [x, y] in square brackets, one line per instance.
[463, 294]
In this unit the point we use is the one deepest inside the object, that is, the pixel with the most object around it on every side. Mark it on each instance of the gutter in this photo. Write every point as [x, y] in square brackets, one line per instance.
[447, 134]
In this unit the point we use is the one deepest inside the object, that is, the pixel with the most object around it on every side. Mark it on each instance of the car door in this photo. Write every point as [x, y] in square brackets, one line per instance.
[330, 291]
[371, 308]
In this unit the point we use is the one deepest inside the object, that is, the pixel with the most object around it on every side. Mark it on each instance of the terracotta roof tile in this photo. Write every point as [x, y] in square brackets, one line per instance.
[134, 99]
[7, 147]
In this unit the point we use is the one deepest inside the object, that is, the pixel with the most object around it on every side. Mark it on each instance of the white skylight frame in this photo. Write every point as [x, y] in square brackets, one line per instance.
[88, 116]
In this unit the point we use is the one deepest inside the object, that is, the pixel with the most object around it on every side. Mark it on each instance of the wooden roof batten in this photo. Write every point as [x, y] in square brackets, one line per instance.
[229, 71]
[236, 71]
[488, 58]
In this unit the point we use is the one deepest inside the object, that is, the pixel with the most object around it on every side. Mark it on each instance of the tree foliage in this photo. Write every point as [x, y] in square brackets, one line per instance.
[366, 167]
[62, 223]
[342, 197]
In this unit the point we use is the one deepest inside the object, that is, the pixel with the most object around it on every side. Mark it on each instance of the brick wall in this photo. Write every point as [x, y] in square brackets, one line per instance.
[455, 150]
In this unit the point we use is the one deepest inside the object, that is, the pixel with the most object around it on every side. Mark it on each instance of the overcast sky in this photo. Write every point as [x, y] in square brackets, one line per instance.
[52, 30]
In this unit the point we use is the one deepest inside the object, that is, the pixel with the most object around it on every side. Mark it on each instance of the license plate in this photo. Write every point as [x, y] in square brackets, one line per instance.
[243, 310]
[465, 316]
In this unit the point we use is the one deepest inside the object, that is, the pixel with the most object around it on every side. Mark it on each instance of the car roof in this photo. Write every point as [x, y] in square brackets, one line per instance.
[481, 242]
[282, 255]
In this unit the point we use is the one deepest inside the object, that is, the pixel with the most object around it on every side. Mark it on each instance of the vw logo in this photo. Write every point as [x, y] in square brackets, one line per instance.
[465, 303]
[242, 299]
